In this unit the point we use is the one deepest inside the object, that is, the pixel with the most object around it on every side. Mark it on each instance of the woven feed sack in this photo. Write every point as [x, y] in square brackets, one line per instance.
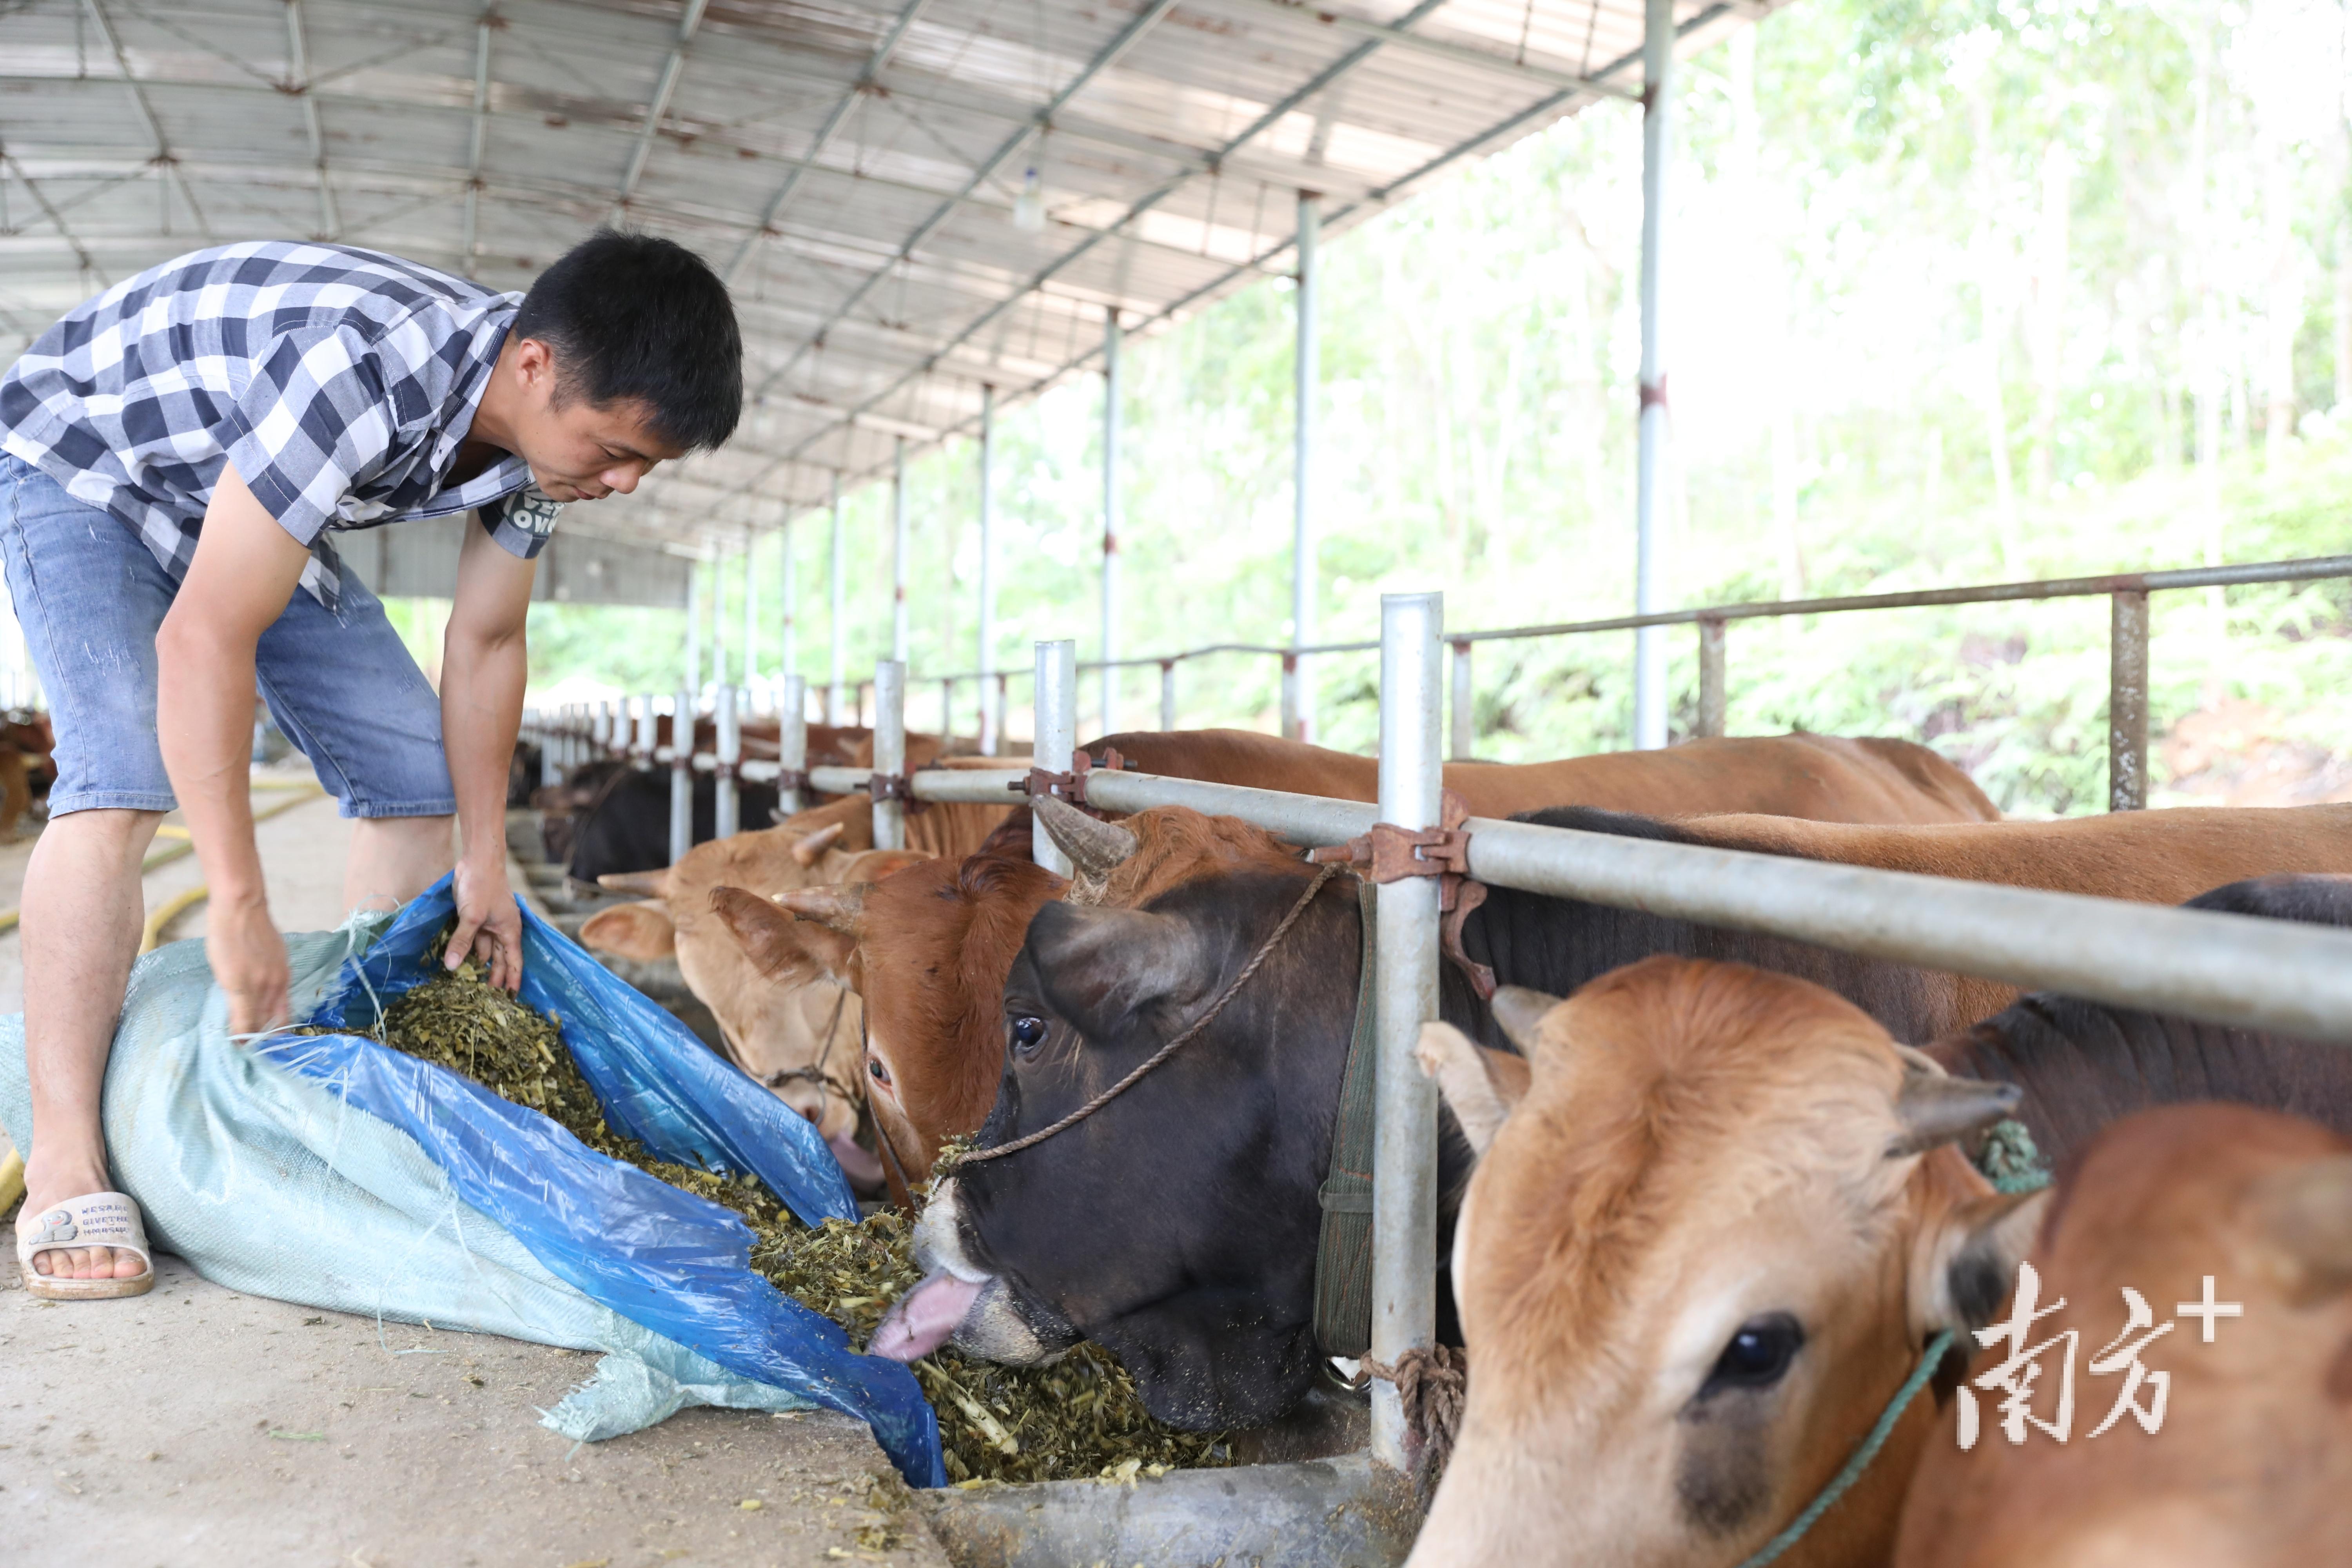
[337, 1173]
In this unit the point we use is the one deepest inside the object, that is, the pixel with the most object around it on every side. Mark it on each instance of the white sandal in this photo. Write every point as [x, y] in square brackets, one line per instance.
[94, 1219]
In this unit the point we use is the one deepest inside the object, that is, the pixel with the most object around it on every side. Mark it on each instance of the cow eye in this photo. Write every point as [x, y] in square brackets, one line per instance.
[1758, 1356]
[880, 1073]
[1027, 1034]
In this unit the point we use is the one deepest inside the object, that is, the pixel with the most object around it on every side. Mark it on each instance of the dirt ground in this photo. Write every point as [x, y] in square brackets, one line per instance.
[195, 1428]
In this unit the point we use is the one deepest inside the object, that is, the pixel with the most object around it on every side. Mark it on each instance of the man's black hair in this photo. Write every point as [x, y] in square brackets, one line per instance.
[634, 319]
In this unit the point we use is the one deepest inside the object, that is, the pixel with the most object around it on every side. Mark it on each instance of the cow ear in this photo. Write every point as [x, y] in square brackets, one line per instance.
[786, 950]
[1101, 968]
[1963, 1269]
[2302, 1218]
[642, 932]
[1480, 1086]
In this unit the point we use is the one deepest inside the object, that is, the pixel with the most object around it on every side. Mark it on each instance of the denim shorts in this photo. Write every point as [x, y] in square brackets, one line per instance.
[89, 597]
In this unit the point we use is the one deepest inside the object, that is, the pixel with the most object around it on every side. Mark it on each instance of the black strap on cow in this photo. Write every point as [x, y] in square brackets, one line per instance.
[1343, 1253]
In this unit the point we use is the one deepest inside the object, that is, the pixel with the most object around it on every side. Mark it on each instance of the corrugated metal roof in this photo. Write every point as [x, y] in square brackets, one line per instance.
[852, 168]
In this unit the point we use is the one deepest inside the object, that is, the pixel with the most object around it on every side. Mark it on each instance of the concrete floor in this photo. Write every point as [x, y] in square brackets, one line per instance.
[169, 1431]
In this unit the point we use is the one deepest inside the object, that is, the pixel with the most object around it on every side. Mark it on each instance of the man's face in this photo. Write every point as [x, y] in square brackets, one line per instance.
[578, 450]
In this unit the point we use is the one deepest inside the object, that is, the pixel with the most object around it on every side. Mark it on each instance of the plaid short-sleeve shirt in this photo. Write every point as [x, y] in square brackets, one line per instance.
[340, 382]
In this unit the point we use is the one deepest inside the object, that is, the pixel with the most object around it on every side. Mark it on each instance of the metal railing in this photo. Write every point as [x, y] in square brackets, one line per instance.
[2223, 968]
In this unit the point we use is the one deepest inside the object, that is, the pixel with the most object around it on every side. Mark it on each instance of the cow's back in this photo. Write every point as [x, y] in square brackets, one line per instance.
[1821, 777]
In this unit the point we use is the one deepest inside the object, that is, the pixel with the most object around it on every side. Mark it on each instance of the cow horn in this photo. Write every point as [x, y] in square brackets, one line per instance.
[840, 906]
[815, 845]
[1943, 1110]
[1521, 1013]
[1095, 848]
[645, 884]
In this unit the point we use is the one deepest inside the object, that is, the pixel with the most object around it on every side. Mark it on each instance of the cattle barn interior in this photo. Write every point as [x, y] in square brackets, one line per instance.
[927, 212]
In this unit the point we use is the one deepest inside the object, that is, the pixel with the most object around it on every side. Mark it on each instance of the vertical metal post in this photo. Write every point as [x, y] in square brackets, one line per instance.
[600, 732]
[643, 751]
[1404, 1135]
[1110, 519]
[1298, 700]
[1167, 694]
[788, 655]
[681, 776]
[551, 754]
[751, 611]
[946, 709]
[899, 550]
[889, 751]
[726, 819]
[1057, 731]
[2128, 703]
[791, 741]
[1650, 490]
[992, 704]
[718, 618]
[862, 687]
[693, 678]
[834, 628]
[1714, 690]
[1461, 744]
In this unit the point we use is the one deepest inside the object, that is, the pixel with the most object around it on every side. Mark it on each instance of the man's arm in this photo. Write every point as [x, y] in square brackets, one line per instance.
[483, 665]
[244, 568]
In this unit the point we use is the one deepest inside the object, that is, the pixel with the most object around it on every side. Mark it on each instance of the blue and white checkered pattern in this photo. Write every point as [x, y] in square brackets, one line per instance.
[340, 382]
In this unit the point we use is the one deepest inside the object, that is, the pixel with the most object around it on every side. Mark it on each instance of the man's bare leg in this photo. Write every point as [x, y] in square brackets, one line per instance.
[394, 859]
[83, 911]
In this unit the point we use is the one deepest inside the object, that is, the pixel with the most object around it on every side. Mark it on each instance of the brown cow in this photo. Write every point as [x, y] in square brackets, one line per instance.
[1823, 778]
[1694, 1263]
[2251, 1463]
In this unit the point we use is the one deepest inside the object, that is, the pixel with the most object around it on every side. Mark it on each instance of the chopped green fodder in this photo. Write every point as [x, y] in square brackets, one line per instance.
[1079, 1418]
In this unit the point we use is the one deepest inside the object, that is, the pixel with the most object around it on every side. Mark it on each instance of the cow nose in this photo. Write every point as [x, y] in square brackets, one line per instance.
[814, 1114]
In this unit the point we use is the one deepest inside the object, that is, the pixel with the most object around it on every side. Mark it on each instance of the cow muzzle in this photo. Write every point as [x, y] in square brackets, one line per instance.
[959, 1302]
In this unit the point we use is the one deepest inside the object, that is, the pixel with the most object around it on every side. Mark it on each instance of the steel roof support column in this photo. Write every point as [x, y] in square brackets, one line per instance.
[718, 621]
[1110, 519]
[792, 743]
[889, 751]
[787, 657]
[726, 818]
[1657, 152]
[1404, 1126]
[835, 693]
[1297, 704]
[899, 550]
[992, 704]
[1055, 728]
[751, 611]
[681, 725]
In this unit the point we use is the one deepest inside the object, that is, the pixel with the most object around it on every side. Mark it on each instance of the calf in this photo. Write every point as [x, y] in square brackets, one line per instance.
[1697, 1260]
[2253, 1461]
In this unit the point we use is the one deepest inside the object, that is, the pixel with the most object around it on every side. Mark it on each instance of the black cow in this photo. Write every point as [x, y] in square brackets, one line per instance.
[627, 829]
[1177, 1224]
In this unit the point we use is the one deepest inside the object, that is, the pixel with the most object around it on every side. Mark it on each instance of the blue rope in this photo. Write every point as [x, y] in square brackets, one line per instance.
[2012, 1163]
[1860, 1459]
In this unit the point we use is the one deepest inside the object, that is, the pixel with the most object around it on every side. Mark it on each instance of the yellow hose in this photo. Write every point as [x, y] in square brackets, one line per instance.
[175, 906]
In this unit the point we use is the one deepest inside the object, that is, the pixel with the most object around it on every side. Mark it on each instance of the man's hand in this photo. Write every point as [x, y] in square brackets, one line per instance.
[489, 922]
[248, 962]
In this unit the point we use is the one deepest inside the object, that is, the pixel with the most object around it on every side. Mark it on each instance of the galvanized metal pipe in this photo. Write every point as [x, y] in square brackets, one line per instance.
[1657, 152]
[718, 618]
[1463, 742]
[889, 751]
[1404, 990]
[791, 741]
[788, 655]
[648, 730]
[1714, 695]
[991, 705]
[946, 709]
[2127, 702]
[550, 752]
[724, 817]
[834, 628]
[751, 611]
[1297, 702]
[1110, 520]
[692, 680]
[1057, 731]
[899, 550]
[1167, 694]
[681, 776]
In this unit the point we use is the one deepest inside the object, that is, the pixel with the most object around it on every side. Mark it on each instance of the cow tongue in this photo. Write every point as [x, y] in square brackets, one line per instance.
[924, 1318]
[857, 1162]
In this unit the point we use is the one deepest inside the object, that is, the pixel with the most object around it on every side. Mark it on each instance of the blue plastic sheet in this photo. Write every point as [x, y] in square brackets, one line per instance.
[664, 1258]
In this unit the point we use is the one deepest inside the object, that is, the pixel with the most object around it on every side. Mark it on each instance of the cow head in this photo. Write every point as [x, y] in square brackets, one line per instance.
[1697, 1256]
[1176, 1226]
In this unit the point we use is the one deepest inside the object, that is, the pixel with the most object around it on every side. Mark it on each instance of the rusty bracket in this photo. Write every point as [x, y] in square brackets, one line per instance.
[792, 778]
[1390, 854]
[1069, 787]
[895, 787]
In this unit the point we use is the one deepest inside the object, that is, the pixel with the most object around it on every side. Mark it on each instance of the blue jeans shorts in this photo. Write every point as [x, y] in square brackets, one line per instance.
[89, 596]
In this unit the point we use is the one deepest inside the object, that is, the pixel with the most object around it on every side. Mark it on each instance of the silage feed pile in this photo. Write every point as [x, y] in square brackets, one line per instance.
[1077, 1418]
